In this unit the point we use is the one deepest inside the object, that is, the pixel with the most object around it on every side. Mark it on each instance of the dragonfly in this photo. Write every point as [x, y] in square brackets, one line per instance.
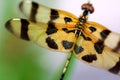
[61, 31]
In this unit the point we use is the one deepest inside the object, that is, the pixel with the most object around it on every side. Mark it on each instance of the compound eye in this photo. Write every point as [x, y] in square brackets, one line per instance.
[88, 6]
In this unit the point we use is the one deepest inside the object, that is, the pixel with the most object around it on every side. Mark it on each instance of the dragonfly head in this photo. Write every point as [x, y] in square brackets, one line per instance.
[87, 8]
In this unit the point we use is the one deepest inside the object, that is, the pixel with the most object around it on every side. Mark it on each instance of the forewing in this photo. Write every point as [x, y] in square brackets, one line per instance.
[58, 39]
[39, 13]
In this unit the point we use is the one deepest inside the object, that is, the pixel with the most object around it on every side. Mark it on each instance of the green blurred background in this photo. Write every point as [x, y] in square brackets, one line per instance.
[22, 60]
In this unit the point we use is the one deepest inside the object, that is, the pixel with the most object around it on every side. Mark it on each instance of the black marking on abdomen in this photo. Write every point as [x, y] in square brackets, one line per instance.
[67, 45]
[77, 32]
[116, 68]
[92, 29]
[33, 13]
[104, 34]
[51, 28]
[99, 46]
[54, 14]
[68, 31]
[24, 29]
[67, 19]
[78, 49]
[89, 58]
[51, 43]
